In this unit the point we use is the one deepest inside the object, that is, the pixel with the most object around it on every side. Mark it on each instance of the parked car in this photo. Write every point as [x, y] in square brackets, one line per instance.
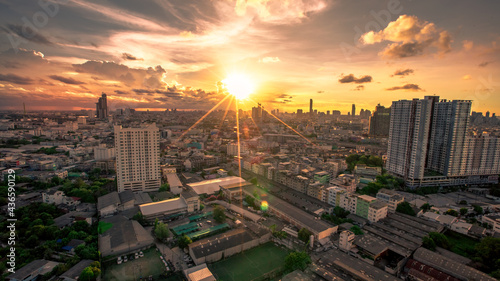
[136, 255]
[119, 260]
[141, 254]
[125, 259]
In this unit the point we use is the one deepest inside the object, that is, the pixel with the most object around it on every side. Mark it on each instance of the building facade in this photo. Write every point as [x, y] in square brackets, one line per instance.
[138, 158]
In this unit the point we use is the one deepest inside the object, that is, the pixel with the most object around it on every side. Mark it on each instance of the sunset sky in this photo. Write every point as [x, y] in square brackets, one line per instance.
[62, 54]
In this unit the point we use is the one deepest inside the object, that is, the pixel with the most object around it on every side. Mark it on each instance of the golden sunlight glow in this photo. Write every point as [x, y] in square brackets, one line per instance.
[238, 85]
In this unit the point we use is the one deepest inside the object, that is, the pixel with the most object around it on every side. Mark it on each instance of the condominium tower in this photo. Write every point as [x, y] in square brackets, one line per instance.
[138, 158]
[430, 144]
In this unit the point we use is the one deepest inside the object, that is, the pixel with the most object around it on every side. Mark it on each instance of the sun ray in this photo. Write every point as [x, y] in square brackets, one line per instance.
[227, 110]
[203, 117]
[284, 123]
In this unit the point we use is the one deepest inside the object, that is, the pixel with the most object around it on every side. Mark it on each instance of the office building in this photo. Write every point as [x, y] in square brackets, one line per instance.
[353, 112]
[380, 121]
[311, 107]
[138, 158]
[102, 107]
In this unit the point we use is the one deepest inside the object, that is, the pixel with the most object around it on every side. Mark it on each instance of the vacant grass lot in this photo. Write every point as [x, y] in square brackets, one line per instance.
[461, 244]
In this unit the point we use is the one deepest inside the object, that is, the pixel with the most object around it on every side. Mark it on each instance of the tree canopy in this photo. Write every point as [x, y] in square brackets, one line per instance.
[405, 208]
[161, 231]
[219, 214]
[297, 260]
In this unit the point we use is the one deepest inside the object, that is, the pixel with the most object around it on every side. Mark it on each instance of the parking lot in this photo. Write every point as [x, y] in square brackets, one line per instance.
[135, 269]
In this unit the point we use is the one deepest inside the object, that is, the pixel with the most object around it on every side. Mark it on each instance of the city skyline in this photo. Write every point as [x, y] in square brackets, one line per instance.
[64, 55]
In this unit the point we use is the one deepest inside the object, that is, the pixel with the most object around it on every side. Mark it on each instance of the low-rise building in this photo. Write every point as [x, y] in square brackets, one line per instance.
[363, 205]
[493, 220]
[391, 198]
[124, 237]
[32, 270]
[377, 211]
[346, 240]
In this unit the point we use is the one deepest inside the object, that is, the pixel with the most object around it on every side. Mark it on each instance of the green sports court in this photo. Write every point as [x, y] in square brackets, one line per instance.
[251, 264]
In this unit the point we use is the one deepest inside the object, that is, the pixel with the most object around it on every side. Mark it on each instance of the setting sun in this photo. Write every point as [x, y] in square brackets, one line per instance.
[239, 86]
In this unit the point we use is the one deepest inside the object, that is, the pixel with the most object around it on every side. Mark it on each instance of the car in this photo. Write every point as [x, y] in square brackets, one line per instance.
[125, 259]
[141, 254]
[119, 260]
[136, 256]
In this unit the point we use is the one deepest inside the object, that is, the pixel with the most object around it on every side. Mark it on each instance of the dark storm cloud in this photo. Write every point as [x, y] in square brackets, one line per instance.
[127, 56]
[403, 72]
[27, 33]
[359, 88]
[485, 63]
[121, 92]
[66, 80]
[407, 87]
[352, 79]
[16, 79]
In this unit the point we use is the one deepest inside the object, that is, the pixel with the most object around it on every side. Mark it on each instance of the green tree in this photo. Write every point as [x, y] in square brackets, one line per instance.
[440, 239]
[452, 212]
[304, 234]
[340, 212]
[478, 210]
[405, 208]
[164, 187]
[87, 274]
[463, 211]
[426, 207]
[161, 231]
[297, 260]
[488, 251]
[428, 243]
[219, 214]
[356, 230]
[140, 219]
[184, 241]
[254, 181]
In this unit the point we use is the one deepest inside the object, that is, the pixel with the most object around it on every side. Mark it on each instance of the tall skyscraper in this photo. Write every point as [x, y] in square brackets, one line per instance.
[353, 113]
[311, 107]
[450, 121]
[408, 137]
[380, 121]
[429, 144]
[102, 107]
[138, 158]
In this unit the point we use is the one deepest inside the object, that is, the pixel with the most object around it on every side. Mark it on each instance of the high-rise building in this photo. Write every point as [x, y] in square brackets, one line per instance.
[353, 113]
[380, 121]
[138, 158]
[102, 107]
[429, 145]
[311, 107]
[408, 137]
[450, 121]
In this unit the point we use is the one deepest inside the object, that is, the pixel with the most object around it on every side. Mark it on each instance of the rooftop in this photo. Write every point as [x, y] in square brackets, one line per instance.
[220, 242]
[108, 200]
[162, 206]
[39, 267]
[76, 270]
[449, 266]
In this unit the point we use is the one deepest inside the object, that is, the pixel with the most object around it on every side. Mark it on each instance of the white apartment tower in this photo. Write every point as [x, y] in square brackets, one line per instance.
[429, 144]
[409, 136]
[138, 158]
